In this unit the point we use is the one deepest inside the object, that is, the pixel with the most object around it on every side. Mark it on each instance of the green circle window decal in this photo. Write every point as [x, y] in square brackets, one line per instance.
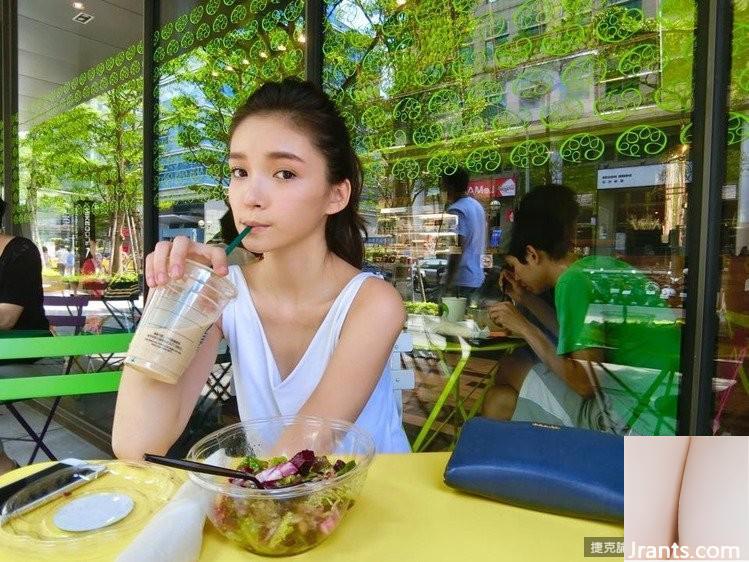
[257, 6]
[743, 80]
[483, 160]
[430, 75]
[639, 58]
[181, 23]
[615, 105]
[211, 7]
[641, 141]
[564, 41]
[563, 113]
[408, 109]
[582, 147]
[444, 101]
[442, 164]
[204, 30]
[196, 14]
[532, 83]
[738, 123]
[513, 53]
[294, 10]
[427, 134]
[618, 23]
[506, 120]
[674, 99]
[374, 118]
[529, 153]
[461, 70]
[406, 169]
[529, 14]
[685, 136]
[238, 14]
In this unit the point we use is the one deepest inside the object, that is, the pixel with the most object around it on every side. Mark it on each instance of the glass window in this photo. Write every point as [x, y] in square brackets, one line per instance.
[209, 59]
[79, 191]
[80, 131]
[597, 99]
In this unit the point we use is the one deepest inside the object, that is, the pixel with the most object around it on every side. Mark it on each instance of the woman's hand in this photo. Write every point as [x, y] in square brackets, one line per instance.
[167, 261]
[506, 315]
[512, 287]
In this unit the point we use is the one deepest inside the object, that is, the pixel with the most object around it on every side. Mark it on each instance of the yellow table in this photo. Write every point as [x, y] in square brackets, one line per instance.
[406, 513]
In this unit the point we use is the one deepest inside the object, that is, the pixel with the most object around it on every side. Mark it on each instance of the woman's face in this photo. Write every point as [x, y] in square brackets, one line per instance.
[278, 184]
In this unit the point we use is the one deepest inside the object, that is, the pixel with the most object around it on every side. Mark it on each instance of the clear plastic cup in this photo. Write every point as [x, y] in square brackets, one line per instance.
[177, 317]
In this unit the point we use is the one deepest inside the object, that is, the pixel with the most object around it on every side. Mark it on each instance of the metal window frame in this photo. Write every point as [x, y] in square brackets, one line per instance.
[711, 80]
[150, 94]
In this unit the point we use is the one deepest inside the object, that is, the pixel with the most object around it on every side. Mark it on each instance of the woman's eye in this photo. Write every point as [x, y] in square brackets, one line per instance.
[238, 173]
[284, 175]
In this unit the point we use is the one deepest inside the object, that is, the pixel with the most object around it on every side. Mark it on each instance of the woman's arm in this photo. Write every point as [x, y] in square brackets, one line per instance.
[653, 468]
[150, 415]
[9, 315]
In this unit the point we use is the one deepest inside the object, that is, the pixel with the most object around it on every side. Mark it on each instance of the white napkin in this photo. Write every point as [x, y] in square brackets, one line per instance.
[175, 534]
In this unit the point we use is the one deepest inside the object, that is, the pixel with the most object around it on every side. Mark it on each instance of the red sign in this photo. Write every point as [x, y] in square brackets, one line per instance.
[491, 188]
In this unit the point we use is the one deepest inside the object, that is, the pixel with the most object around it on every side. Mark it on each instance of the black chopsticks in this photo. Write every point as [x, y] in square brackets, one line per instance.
[193, 466]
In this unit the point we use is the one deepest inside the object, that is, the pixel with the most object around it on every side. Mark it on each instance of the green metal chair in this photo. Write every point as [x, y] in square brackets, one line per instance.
[25, 386]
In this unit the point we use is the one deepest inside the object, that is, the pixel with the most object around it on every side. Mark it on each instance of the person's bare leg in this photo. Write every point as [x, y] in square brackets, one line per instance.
[653, 468]
[501, 399]
[499, 402]
[714, 504]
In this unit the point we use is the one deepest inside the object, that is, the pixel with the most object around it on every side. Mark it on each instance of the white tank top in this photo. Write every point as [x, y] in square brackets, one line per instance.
[261, 392]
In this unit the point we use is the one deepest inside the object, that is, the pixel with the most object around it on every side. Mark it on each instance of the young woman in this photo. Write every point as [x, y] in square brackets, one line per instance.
[309, 332]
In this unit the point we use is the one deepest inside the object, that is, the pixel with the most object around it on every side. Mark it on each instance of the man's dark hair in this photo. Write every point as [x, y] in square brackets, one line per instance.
[545, 219]
[2, 208]
[456, 183]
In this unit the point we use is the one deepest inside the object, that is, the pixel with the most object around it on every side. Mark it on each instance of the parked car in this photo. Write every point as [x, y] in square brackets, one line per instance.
[380, 272]
[432, 272]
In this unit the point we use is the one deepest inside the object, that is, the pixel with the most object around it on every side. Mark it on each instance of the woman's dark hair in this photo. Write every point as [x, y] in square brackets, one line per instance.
[309, 108]
[2, 208]
[545, 219]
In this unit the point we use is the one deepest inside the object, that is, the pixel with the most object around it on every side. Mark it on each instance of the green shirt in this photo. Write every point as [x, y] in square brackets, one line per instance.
[603, 303]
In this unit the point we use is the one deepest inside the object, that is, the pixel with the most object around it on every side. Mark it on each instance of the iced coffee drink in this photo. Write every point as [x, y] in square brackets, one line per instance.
[175, 321]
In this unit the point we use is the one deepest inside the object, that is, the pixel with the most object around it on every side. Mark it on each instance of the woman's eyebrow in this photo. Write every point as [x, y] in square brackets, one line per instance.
[286, 155]
[236, 155]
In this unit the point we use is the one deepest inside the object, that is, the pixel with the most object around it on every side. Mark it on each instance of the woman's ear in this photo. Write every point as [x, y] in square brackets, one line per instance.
[340, 193]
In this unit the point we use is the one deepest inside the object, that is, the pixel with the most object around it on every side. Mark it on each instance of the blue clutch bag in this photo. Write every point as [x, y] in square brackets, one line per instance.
[565, 470]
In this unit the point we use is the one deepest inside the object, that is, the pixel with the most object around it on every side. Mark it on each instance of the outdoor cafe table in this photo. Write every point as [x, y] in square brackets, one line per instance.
[464, 349]
[406, 513]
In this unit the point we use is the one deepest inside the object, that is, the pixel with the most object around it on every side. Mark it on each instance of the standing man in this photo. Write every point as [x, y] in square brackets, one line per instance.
[465, 274]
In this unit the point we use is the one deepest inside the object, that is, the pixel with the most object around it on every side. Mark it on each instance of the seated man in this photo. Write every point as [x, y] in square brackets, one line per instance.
[21, 302]
[570, 385]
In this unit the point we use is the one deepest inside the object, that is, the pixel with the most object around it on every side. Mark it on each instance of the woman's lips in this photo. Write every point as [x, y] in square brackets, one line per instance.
[258, 228]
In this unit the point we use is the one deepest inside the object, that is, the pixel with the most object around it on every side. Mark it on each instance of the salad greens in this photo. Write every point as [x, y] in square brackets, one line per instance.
[285, 525]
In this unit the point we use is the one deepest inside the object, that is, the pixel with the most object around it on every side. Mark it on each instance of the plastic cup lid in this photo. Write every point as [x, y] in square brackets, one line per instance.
[93, 511]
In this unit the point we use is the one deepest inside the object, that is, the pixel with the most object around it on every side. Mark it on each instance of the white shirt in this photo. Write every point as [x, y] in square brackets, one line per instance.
[261, 392]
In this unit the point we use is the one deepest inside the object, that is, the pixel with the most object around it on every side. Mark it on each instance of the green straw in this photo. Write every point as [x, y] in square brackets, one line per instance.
[234, 243]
